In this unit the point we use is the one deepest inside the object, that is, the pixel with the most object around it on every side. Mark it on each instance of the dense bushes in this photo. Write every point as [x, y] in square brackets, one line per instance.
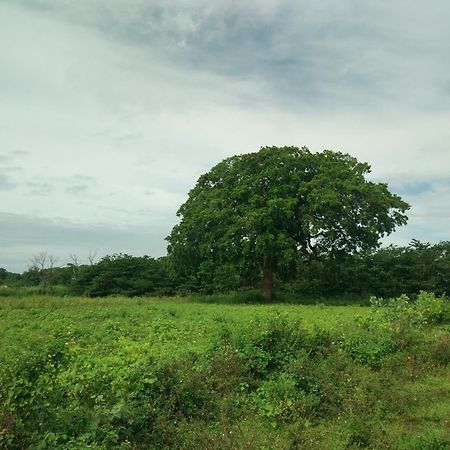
[426, 308]
[387, 272]
[125, 275]
[267, 382]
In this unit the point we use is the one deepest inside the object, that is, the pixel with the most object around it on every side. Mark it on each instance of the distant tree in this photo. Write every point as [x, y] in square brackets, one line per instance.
[91, 257]
[3, 274]
[123, 274]
[410, 269]
[9, 278]
[37, 266]
[43, 265]
[261, 210]
[74, 264]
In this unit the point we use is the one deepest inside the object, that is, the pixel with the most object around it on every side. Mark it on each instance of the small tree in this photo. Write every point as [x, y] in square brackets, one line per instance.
[91, 257]
[44, 265]
[260, 210]
[74, 265]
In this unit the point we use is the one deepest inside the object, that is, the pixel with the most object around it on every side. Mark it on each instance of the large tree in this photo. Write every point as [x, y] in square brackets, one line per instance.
[258, 211]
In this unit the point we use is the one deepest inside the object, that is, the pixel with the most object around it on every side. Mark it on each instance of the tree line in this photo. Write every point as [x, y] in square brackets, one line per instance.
[281, 218]
[386, 272]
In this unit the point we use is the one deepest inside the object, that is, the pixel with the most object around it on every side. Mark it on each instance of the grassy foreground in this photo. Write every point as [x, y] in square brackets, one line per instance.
[122, 373]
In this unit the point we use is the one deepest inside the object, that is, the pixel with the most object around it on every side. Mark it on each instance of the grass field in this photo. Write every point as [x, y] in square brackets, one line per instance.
[171, 373]
[157, 323]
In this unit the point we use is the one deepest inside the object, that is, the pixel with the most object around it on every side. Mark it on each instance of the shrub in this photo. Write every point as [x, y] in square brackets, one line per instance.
[425, 309]
[277, 398]
[369, 346]
[266, 347]
[325, 380]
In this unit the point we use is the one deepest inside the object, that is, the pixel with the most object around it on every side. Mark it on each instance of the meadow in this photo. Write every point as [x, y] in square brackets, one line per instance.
[149, 373]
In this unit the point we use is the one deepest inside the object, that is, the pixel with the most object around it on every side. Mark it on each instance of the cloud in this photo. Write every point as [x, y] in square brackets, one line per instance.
[331, 53]
[12, 156]
[42, 189]
[5, 184]
[22, 236]
[79, 184]
[77, 189]
[106, 101]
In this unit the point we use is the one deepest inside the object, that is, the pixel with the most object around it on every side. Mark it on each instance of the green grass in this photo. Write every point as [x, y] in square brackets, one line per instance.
[135, 373]
[158, 322]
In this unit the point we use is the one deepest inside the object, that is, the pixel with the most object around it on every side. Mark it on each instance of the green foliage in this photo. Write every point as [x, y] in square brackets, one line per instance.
[425, 309]
[141, 373]
[261, 211]
[8, 278]
[369, 346]
[269, 345]
[336, 278]
[125, 275]
[439, 349]
[432, 439]
[277, 399]
[386, 272]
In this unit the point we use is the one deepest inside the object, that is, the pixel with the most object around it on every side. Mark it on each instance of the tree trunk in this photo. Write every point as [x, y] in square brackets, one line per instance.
[267, 279]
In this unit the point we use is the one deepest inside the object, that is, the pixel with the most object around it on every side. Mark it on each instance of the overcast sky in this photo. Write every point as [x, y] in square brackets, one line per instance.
[111, 109]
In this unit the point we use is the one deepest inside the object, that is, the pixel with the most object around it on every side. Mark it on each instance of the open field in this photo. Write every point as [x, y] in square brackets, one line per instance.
[168, 373]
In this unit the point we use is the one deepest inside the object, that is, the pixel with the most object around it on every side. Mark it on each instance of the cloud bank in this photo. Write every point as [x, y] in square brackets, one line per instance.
[112, 109]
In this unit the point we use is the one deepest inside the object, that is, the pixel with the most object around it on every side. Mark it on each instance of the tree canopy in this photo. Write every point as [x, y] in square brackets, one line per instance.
[255, 213]
[122, 274]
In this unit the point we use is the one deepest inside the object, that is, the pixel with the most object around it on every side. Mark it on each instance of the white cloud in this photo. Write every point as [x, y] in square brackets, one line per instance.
[106, 119]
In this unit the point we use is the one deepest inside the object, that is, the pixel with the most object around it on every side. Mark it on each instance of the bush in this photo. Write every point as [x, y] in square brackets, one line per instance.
[266, 347]
[325, 381]
[278, 398]
[425, 309]
[369, 347]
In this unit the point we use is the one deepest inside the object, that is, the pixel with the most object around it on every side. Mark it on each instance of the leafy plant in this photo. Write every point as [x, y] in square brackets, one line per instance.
[427, 308]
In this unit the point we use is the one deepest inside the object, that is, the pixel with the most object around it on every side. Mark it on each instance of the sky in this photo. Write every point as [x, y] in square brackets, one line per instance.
[110, 110]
